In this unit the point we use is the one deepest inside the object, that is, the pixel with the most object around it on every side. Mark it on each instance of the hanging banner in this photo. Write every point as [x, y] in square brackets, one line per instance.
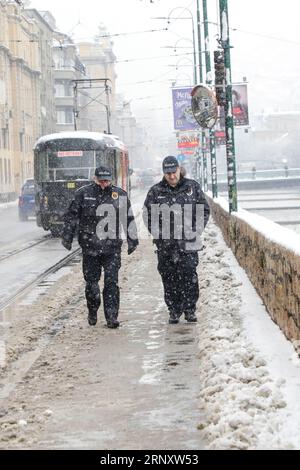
[240, 104]
[220, 137]
[182, 108]
[188, 141]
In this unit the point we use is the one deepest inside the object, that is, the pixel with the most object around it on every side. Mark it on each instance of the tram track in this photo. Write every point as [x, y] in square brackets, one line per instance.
[17, 251]
[40, 278]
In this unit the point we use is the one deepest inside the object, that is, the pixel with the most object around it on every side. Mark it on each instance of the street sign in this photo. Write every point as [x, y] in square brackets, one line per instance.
[181, 158]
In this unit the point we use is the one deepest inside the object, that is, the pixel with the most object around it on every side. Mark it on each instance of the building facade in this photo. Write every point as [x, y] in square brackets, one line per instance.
[99, 60]
[67, 68]
[46, 26]
[20, 91]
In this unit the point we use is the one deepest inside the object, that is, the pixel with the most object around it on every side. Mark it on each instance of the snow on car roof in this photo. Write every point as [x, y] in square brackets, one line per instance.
[109, 139]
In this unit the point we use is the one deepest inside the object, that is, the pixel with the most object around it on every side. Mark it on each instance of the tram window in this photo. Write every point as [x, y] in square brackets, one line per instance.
[111, 162]
[102, 158]
[65, 167]
[61, 165]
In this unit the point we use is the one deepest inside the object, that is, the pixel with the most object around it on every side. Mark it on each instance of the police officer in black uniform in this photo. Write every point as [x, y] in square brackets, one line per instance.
[178, 256]
[100, 210]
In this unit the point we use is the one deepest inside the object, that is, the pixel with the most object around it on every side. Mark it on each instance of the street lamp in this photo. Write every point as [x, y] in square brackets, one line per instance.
[168, 18]
[184, 78]
[180, 63]
[175, 47]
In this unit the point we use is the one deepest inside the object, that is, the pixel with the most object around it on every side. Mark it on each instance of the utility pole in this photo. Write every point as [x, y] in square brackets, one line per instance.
[230, 147]
[203, 138]
[210, 132]
[92, 84]
[108, 112]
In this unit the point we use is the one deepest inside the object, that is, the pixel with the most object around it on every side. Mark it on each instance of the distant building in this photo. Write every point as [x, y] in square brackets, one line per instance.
[132, 134]
[99, 60]
[67, 68]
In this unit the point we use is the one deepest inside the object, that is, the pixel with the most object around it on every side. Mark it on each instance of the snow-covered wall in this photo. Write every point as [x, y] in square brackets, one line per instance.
[270, 256]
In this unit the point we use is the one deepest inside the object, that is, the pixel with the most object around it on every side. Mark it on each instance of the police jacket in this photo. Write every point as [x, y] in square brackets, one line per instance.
[183, 214]
[100, 214]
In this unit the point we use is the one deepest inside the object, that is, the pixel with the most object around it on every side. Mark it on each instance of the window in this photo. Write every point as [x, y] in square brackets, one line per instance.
[5, 138]
[63, 88]
[5, 171]
[21, 140]
[9, 171]
[65, 116]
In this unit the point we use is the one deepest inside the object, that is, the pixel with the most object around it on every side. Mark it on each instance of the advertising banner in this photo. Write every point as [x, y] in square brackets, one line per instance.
[187, 142]
[240, 104]
[183, 116]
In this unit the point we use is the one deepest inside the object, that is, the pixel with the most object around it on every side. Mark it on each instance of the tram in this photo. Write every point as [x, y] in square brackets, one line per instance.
[65, 162]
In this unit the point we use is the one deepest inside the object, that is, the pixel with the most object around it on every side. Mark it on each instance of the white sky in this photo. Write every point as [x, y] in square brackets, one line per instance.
[270, 65]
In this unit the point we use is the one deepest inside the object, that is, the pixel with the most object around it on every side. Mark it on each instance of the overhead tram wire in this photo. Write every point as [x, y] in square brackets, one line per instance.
[86, 38]
[265, 36]
[136, 59]
[155, 79]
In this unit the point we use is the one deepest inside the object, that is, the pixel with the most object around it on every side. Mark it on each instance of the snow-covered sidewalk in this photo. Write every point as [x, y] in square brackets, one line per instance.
[6, 205]
[231, 382]
[250, 373]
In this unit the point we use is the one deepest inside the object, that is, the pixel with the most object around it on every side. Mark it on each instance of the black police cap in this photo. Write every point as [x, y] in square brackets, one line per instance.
[170, 164]
[103, 173]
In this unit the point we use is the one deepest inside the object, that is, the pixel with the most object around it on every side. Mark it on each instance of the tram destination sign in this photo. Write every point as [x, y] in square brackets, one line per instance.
[70, 153]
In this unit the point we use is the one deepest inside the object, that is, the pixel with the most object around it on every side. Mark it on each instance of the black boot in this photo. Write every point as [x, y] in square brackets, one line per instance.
[174, 318]
[112, 323]
[191, 317]
[92, 317]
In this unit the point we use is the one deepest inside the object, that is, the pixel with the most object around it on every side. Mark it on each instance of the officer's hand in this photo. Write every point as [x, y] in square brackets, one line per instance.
[131, 249]
[66, 244]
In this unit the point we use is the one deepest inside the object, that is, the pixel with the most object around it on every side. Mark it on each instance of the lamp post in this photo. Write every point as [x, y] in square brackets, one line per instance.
[184, 77]
[179, 63]
[202, 163]
[168, 18]
[229, 124]
[175, 47]
[211, 132]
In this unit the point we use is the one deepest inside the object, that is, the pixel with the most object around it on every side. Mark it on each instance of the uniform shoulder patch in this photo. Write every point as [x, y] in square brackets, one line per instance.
[115, 195]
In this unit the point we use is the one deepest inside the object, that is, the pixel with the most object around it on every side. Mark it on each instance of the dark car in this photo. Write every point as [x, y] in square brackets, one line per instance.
[27, 200]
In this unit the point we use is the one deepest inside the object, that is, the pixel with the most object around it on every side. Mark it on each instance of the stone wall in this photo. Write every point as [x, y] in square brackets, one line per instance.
[273, 270]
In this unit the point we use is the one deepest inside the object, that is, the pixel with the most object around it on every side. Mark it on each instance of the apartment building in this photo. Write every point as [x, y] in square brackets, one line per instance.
[20, 82]
[99, 60]
[67, 68]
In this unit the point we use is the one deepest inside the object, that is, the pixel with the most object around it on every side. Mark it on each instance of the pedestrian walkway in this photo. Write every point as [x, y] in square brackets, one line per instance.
[135, 388]
[230, 382]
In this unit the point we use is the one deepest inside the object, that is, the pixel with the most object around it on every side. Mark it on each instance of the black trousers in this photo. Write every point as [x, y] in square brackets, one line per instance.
[178, 271]
[92, 268]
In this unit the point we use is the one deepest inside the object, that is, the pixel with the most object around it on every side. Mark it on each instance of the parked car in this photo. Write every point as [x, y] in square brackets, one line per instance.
[27, 200]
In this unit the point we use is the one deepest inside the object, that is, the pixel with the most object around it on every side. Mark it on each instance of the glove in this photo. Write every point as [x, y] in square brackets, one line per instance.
[131, 249]
[66, 244]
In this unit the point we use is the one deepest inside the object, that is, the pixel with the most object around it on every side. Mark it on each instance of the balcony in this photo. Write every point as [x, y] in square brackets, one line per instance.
[65, 74]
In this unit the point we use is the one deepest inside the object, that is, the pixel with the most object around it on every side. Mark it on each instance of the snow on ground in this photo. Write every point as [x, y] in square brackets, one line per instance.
[6, 205]
[250, 372]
